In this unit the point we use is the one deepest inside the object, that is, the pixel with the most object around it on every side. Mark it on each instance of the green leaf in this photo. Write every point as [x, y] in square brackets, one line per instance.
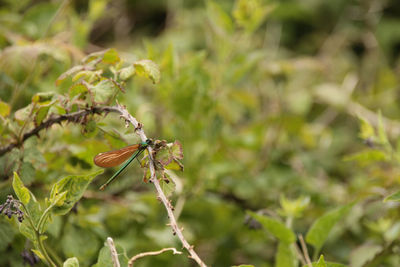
[39, 254]
[111, 57]
[277, 228]
[219, 18]
[285, 256]
[20, 190]
[79, 242]
[321, 228]
[75, 186]
[43, 98]
[177, 150]
[167, 185]
[26, 229]
[4, 109]
[103, 91]
[174, 165]
[126, 73]
[363, 254]
[71, 262]
[366, 129]
[328, 264]
[321, 262]
[393, 197]
[249, 14]
[77, 89]
[6, 234]
[41, 114]
[23, 114]
[148, 69]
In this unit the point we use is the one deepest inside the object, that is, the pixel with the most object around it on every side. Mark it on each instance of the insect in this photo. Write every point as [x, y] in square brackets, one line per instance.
[116, 157]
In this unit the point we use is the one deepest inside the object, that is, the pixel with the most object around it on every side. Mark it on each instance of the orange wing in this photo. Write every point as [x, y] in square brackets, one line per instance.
[115, 157]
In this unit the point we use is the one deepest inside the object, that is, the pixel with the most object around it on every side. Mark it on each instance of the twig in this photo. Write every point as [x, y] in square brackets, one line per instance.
[151, 253]
[305, 251]
[114, 254]
[176, 230]
[75, 117]
[300, 255]
[71, 117]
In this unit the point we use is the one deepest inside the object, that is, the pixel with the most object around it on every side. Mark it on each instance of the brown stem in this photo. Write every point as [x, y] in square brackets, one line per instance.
[71, 117]
[151, 253]
[167, 204]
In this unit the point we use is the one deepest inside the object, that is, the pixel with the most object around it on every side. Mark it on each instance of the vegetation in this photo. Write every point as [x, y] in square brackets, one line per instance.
[282, 114]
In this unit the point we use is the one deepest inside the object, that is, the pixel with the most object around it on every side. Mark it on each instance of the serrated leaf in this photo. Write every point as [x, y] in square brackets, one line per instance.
[77, 89]
[177, 150]
[285, 256]
[75, 186]
[174, 165]
[43, 98]
[68, 73]
[4, 109]
[147, 68]
[167, 185]
[276, 228]
[321, 228]
[23, 114]
[103, 91]
[41, 114]
[126, 73]
[87, 75]
[111, 56]
[71, 262]
[20, 190]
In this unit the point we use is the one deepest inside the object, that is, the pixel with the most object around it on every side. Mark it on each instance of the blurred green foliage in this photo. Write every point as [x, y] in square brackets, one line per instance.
[286, 111]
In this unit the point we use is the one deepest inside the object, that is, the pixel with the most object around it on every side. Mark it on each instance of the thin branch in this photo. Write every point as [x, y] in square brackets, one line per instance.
[305, 251]
[151, 253]
[53, 119]
[161, 196]
[114, 254]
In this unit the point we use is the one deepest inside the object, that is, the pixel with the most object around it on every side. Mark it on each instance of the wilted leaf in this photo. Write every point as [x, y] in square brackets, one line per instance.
[277, 228]
[177, 150]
